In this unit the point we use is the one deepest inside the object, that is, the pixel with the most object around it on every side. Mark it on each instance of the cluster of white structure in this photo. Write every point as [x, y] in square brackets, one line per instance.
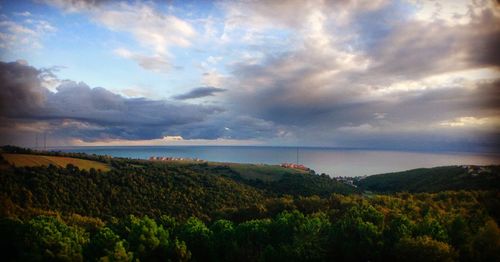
[167, 158]
[476, 170]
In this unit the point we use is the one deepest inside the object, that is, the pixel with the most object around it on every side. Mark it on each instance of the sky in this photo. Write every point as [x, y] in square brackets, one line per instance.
[381, 74]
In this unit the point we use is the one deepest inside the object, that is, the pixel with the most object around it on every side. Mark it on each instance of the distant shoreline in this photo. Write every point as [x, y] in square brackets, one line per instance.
[286, 147]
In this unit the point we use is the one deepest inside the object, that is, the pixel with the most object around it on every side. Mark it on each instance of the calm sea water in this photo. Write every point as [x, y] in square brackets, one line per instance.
[335, 162]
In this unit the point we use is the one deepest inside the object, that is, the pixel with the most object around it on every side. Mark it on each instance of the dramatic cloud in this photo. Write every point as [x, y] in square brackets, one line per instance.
[385, 74]
[76, 110]
[199, 92]
[22, 92]
[330, 89]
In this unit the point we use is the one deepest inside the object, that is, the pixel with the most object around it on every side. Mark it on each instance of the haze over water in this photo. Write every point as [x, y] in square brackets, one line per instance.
[335, 162]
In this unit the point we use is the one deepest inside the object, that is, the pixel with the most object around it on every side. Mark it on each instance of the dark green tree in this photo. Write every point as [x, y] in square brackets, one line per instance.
[424, 248]
[356, 236]
[106, 245]
[51, 239]
[197, 237]
[486, 243]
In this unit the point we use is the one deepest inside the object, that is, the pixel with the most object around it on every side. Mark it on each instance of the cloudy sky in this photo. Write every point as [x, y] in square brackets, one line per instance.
[410, 74]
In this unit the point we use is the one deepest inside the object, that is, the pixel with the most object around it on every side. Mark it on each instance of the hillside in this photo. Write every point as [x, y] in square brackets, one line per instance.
[266, 173]
[141, 190]
[435, 179]
[262, 172]
[143, 210]
[272, 179]
[28, 160]
[150, 188]
[278, 181]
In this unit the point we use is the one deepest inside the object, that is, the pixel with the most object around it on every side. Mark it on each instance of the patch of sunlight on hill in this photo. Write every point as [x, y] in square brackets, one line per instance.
[20, 160]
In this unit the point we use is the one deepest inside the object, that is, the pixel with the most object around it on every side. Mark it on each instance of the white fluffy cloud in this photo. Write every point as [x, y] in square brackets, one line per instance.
[22, 35]
[156, 63]
[149, 27]
[154, 30]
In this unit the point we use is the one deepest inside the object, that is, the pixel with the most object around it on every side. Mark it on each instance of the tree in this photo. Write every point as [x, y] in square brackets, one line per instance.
[51, 239]
[486, 243]
[223, 240]
[460, 237]
[432, 228]
[295, 237]
[147, 240]
[423, 248]
[356, 236]
[252, 237]
[119, 254]
[106, 245]
[397, 228]
[197, 237]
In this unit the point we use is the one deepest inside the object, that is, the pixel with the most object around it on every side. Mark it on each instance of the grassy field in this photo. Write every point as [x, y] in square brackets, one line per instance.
[39, 160]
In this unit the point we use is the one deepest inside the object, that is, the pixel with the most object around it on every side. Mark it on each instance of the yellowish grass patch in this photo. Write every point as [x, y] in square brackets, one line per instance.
[39, 160]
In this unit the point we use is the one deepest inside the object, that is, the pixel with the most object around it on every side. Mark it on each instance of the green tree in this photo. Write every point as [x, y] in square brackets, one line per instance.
[197, 237]
[460, 237]
[486, 243]
[397, 228]
[119, 254]
[147, 240]
[51, 239]
[356, 236]
[223, 240]
[252, 238]
[106, 245]
[423, 248]
[295, 237]
[432, 227]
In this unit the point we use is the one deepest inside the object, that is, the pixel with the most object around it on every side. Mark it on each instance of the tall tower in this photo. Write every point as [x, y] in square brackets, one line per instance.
[297, 155]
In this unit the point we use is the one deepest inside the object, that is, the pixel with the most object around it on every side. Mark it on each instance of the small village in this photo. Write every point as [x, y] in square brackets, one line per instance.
[351, 181]
[476, 170]
[167, 158]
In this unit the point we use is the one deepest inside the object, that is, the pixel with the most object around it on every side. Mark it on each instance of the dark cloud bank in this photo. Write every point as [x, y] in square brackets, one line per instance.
[88, 113]
[92, 114]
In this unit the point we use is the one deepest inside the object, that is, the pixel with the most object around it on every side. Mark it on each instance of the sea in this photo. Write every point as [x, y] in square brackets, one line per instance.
[331, 161]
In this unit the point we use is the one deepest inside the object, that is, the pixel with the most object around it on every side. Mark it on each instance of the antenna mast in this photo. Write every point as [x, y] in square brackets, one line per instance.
[297, 155]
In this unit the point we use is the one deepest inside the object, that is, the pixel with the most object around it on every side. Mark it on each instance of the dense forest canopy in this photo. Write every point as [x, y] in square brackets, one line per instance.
[152, 211]
[436, 179]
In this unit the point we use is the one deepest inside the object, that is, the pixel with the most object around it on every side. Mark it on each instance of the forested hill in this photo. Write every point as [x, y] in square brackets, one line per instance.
[435, 179]
[141, 210]
[153, 188]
